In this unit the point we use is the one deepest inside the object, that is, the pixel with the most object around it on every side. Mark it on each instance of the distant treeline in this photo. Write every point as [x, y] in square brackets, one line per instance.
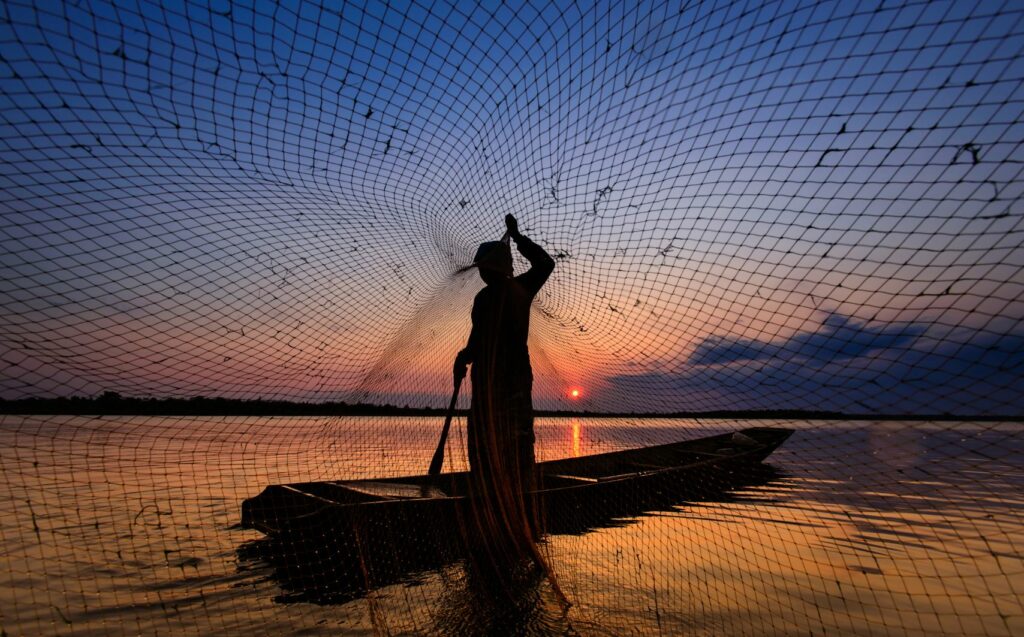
[112, 403]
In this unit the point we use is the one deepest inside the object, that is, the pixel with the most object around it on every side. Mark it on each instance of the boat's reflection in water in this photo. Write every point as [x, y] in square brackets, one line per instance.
[487, 581]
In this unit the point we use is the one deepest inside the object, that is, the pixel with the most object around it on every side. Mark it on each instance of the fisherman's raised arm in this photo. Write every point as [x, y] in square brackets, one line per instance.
[541, 263]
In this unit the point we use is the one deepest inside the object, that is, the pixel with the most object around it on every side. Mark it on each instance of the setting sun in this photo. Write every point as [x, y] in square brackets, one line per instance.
[575, 392]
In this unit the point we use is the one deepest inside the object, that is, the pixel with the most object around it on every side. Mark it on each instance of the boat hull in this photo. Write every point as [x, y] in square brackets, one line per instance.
[570, 490]
[329, 542]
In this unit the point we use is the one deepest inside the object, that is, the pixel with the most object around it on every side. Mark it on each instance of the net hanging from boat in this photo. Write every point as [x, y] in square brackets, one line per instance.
[794, 214]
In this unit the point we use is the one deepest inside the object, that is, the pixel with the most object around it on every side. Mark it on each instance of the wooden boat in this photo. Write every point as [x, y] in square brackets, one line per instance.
[564, 486]
[330, 542]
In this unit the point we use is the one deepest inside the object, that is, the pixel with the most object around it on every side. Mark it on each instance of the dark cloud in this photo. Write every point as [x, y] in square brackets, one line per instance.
[846, 366]
[839, 338]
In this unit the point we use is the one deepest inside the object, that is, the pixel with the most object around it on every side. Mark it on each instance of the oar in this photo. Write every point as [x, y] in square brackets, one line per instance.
[438, 460]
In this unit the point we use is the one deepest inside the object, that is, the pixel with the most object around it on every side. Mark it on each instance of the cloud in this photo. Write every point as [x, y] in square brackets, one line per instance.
[839, 338]
[846, 366]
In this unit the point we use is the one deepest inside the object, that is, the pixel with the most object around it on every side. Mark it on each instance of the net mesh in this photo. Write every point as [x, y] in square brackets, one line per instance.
[800, 214]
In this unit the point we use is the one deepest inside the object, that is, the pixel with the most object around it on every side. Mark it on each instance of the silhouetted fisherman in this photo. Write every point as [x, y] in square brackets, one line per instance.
[500, 427]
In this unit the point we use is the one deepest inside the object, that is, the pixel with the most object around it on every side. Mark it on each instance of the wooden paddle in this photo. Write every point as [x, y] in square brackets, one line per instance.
[438, 460]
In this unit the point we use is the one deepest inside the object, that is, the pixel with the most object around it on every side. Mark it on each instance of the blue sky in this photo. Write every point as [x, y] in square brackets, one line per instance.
[207, 198]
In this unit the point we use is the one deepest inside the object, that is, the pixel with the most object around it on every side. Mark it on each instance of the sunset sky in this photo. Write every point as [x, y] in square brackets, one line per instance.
[752, 205]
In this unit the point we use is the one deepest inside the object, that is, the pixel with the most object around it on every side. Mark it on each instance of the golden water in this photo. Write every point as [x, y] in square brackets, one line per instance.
[128, 525]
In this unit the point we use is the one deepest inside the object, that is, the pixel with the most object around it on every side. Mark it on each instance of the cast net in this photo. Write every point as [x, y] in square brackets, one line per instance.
[220, 222]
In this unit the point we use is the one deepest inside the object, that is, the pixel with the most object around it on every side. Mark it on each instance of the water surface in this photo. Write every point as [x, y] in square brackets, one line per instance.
[126, 525]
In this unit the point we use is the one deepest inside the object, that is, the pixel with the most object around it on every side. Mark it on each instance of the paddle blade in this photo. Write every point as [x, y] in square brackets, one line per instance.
[438, 459]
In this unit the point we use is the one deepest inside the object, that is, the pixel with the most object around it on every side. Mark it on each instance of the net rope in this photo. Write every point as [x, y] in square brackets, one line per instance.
[803, 211]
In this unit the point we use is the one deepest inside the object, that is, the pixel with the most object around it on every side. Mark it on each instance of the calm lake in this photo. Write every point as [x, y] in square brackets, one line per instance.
[129, 525]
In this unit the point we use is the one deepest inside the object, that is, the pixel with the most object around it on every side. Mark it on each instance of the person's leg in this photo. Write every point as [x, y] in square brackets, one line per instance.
[525, 469]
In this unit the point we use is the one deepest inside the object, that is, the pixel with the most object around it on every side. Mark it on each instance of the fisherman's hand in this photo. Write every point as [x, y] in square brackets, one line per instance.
[459, 369]
[513, 226]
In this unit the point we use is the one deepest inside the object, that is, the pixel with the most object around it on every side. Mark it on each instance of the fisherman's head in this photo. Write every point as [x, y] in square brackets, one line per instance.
[494, 261]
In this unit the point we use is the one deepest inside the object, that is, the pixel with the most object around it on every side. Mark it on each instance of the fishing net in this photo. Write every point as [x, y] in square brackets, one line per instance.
[232, 235]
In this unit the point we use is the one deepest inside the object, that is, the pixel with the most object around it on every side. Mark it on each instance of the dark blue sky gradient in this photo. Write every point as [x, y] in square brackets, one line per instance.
[206, 198]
